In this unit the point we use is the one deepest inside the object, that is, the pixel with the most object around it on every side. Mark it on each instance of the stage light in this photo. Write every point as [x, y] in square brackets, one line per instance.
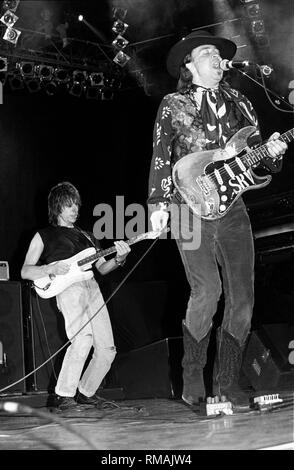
[27, 69]
[76, 89]
[3, 64]
[10, 5]
[121, 59]
[45, 72]
[119, 13]
[3, 77]
[79, 76]
[33, 85]
[51, 88]
[257, 26]
[9, 19]
[94, 93]
[261, 40]
[12, 35]
[267, 70]
[107, 94]
[80, 17]
[120, 42]
[96, 79]
[253, 10]
[16, 83]
[62, 75]
[119, 27]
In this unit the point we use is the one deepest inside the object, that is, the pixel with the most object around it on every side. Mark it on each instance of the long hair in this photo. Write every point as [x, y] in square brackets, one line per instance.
[185, 78]
[62, 195]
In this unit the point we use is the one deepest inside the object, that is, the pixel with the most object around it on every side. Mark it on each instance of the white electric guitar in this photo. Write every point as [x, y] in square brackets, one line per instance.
[80, 267]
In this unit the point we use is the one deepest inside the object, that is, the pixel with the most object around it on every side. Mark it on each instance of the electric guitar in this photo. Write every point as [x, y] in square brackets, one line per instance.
[209, 186]
[80, 264]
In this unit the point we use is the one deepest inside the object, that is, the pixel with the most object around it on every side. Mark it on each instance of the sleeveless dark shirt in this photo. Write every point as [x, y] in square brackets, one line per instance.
[63, 242]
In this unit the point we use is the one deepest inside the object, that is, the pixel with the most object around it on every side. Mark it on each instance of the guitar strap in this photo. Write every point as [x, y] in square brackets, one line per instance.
[87, 236]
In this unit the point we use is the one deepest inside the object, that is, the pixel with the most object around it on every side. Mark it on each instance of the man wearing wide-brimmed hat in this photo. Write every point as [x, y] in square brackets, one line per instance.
[202, 115]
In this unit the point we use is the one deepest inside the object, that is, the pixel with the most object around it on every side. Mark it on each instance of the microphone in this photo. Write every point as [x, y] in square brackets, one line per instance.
[226, 64]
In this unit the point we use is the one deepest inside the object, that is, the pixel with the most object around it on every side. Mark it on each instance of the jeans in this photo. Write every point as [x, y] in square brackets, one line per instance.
[78, 303]
[223, 260]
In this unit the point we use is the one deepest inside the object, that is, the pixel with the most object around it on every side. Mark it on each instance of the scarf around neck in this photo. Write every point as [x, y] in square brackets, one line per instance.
[214, 111]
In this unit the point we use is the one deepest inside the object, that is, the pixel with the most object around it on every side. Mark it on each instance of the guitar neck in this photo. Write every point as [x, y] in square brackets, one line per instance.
[91, 259]
[255, 156]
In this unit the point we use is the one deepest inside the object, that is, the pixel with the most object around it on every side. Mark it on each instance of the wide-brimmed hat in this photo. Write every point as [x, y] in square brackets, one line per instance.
[197, 38]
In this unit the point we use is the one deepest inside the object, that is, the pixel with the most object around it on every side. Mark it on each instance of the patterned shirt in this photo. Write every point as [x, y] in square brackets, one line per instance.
[179, 130]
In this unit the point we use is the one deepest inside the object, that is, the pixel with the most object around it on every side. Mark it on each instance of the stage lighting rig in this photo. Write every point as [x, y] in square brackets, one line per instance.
[10, 5]
[96, 79]
[121, 59]
[9, 19]
[33, 85]
[12, 35]
[257, 26]
[119, 13]
[120, 42]
[45, 72]
[261, 40]
[61, 75]
[76, 89]
[51, 88]
[16, 82]
[253, 10]
[80, 76]
[3, 64]
[27, 69]
[119, 27]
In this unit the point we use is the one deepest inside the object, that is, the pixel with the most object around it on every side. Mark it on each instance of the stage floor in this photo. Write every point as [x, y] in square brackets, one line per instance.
[146, 424]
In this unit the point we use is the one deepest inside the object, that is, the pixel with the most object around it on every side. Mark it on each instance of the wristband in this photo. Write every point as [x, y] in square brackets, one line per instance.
[119, 263]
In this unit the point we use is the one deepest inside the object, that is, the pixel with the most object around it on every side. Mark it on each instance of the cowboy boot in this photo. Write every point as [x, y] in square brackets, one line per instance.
[227, 368]
[193, 362]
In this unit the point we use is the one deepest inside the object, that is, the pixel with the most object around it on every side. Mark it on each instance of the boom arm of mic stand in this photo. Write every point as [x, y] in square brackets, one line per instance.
[267, 89]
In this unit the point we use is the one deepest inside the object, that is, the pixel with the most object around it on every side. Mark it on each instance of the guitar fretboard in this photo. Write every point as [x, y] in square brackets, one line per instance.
[112, 249]
[255, 156]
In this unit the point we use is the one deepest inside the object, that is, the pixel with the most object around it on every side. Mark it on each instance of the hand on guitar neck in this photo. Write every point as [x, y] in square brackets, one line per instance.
[275, 146]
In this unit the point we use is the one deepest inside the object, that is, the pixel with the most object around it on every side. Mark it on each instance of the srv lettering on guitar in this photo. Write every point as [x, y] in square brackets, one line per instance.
[209, 186]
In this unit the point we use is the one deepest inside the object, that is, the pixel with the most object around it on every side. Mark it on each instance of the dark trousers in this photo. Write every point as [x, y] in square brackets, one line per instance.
[225, 244]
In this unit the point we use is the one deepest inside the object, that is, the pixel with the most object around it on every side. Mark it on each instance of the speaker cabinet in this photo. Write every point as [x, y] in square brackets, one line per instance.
[153, 371]
[47, 336]
[12, 363]
[267, 362]
[137, 313]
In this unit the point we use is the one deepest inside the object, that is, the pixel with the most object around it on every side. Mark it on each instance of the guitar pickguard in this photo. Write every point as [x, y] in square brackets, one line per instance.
[211, 185]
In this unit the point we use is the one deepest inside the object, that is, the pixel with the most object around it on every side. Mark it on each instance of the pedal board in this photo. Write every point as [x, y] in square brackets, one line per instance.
[215, 406]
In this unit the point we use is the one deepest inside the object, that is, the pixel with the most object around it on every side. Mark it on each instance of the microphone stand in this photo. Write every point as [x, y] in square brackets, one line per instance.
[262, 85]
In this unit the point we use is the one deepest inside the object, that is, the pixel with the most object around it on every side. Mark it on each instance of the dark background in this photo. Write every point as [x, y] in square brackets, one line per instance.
[105, 147]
